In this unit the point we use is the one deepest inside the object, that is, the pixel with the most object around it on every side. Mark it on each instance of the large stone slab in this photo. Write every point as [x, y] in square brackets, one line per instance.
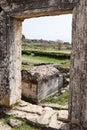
[56, 124]
[46, 116]
[43, 117]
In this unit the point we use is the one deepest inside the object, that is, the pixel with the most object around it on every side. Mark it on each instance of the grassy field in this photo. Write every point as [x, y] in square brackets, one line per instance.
[23, 126]
[45, 45]
[46, 50]
[41, 51]
[31, 60]
[61, 99]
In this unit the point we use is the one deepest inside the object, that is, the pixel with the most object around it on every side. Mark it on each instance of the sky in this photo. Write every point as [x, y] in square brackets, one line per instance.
[48, 28]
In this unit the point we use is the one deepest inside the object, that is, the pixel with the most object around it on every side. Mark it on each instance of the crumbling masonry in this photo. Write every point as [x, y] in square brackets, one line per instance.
[12, 12]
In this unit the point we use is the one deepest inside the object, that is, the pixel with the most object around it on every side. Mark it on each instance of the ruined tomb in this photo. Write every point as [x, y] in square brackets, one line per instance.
[40, 82]
[12, 13]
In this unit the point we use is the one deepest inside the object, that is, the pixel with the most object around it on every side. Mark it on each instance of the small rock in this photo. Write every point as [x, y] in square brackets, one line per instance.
[63, 114]
[4, 126]
[15, 122]
[63, 91]
[23, 104]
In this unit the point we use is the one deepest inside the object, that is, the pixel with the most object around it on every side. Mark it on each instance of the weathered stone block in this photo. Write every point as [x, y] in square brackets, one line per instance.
[40, 82]
[10, 60]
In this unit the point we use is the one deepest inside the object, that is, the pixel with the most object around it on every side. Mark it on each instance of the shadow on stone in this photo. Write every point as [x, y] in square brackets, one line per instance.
[0, 9]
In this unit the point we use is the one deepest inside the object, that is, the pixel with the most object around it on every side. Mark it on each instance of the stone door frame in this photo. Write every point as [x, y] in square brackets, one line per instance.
[12, 12]
[12, 15]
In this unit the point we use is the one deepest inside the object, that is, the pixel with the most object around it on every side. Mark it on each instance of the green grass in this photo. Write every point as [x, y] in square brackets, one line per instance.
[33, 53]
[24, 125]
[49, 54]
[46, 50]
[37, 59]
[60, 99]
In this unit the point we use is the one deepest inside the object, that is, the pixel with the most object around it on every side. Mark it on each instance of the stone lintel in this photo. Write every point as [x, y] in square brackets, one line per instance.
[37, 8]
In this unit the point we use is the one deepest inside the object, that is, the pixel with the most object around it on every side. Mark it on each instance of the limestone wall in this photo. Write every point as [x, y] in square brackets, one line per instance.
[10, 59]
[78, 74]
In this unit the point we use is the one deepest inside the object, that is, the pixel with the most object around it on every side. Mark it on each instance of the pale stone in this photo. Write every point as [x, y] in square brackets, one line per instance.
[4, 126]
[46, 115]
[59, 125]
[40, 82]
[15, 122]
[63, 114]
[55, 106]
[46, 118]
[30, 108]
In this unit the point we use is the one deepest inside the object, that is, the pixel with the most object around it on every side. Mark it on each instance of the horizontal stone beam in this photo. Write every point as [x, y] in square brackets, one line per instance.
[33, 8]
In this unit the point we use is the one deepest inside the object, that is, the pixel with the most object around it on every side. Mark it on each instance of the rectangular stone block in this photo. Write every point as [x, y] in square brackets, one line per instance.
[40, 82]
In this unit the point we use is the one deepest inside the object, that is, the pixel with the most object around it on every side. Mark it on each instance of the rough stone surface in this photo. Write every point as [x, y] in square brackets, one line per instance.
[63, 114]
[4, 126]
[78, 72]
[46, 116]
[40, 82]
[56, 124]
[10, 61]
[54, 106]
[43, 117]
[15, 122]
[29, 8]
[39, 73]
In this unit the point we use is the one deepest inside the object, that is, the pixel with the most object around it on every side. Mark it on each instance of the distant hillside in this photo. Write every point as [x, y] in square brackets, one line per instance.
[45, 44]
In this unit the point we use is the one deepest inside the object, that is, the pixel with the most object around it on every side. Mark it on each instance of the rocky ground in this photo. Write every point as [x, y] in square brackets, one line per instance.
[42, 117]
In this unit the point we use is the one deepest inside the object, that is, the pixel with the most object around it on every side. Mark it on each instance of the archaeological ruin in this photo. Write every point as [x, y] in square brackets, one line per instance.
[12, 13]
[40, 82]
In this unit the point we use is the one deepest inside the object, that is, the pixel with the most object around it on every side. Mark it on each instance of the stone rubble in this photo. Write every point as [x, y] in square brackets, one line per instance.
[44, 117]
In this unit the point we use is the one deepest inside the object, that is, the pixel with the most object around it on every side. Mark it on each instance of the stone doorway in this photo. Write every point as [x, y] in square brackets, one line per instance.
[10, 29]
[27, 42]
